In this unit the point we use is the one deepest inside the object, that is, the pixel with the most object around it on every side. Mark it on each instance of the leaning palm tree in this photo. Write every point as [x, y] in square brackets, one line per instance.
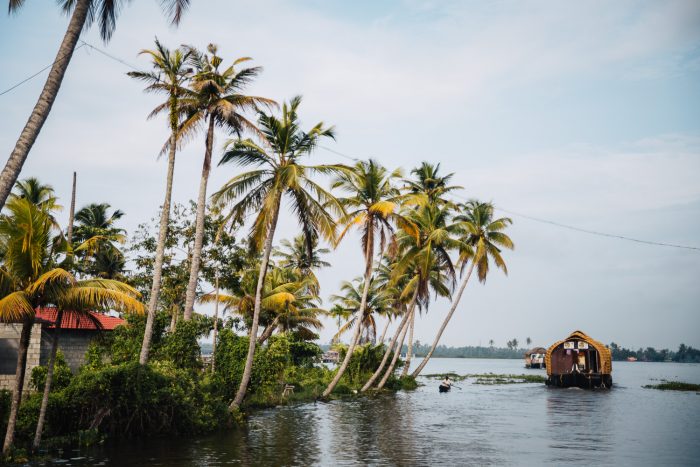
[169, 76]
[379, 302]
[278, 173]
[483, 239]
[424, 263]
[371, 204]
[214, 99]
[83, 14]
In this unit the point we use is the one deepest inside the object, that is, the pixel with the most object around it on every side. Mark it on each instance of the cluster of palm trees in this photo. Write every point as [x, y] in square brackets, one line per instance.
[41, 267]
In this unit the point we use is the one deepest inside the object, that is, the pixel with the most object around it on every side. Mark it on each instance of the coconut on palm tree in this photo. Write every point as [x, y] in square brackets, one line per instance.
[213, 100]
[371, 204]
[278, 174]
[83, 14]
[482, 238]
[168, 77]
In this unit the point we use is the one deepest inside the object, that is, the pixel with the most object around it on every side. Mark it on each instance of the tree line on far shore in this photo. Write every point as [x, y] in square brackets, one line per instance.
[685, 354]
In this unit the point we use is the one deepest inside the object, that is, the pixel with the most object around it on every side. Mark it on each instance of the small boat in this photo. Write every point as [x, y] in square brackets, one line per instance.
[444, 388]
[631, 359]
[534, 358]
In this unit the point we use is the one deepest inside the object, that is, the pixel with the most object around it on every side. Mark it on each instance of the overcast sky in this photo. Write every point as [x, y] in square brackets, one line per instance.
[583, 113]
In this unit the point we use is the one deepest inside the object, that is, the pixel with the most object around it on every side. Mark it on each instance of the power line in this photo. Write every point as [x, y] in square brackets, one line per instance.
[97, 49]
[558, 224]
[29, 78]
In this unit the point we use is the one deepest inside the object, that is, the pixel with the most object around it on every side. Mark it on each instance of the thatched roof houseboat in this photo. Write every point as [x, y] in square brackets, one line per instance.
[579, 361]
[534, 358]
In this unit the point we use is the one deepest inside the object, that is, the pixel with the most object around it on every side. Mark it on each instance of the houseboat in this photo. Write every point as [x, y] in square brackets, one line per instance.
[579, 361]
[534, 358]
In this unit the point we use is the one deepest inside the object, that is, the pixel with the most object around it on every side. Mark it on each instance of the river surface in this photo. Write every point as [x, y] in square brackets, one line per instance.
[516, 424]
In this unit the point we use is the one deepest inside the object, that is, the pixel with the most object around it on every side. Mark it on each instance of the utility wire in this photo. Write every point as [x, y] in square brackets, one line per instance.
[558, 224]
[356, 159]
[29, 78]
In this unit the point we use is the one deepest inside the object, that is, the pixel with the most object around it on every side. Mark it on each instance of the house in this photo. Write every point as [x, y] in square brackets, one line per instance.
[77, 331]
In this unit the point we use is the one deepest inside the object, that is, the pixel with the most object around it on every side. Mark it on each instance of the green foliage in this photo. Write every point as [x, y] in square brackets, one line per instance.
[61, 375]
[180, 347]
[674, 386]
[365, 359]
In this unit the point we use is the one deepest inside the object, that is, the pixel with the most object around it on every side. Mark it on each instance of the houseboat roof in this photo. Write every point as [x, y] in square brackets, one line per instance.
[605, 355]
[74, 320]
[535, 350]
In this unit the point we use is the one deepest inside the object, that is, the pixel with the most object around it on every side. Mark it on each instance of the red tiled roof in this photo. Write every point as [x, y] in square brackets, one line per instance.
[74, 320]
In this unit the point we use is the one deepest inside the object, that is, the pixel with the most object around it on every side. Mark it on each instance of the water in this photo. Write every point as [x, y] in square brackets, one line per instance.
[519, 424]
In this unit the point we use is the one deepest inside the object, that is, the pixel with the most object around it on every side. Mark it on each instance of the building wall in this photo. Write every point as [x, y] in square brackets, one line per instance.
[12, 331]
[73, 343]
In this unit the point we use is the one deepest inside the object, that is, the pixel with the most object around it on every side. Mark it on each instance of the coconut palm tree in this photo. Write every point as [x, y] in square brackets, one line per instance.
[95, 237]
[214, 99]
[379, 302]
[83, 14]
[278, 173]
[483, 238]
[424, 260]
[295, 256]
[31, 277]
[39, 194]
[168, 77]
[371, 206]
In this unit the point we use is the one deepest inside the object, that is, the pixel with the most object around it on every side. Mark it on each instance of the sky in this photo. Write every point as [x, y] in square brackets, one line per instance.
[585, 113]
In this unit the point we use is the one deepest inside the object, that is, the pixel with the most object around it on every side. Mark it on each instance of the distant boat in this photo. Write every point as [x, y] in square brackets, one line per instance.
[534, 358]
[579, 361]
[631, 359]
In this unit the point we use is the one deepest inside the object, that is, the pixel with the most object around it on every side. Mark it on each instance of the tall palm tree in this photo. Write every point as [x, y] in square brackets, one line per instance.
[31, 277]
[213, 100]
[371, 204]
[169, 76]
[95, 237]
[83, 14]
[278, 173]
[425, 260]
[483, 239]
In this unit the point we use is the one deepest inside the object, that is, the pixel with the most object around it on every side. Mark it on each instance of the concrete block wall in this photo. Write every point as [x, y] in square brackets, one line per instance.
[12, 331]
[73, 344]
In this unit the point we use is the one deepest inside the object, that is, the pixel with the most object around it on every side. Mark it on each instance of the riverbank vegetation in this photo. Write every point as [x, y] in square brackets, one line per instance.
[674, 386]
[685, 354]
[419, 240]
[490, 378]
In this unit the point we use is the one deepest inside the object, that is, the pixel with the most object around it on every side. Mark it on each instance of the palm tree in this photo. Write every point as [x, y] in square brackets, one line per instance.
[428, 187]
[483, 239]
[425, 260]
[95, 236]
[371, 206]
[379, 301]
[31, 277]
[295, 256]
[168, 77]
[37, 193]
[528, 341]
[83, 14]
[278, 173]
[214, 99]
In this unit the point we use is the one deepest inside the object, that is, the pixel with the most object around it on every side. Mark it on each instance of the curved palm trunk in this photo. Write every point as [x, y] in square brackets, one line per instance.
[19, 383]
[394, 359]
[47, 385]
[267, 332]
[387, 352]
[386, 327]
[247, 371]
[455, 302]
[369, 257]
[160, 253]
[216, 324]
[409, 352]
[71, 214]
[41, 110]
[199, 225]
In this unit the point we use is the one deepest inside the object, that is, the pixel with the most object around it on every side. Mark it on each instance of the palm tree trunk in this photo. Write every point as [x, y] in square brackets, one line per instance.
[47, 384]
[160, 252]
[25, 336]
[397, 352]
[409, 352]
[247, 371]
[387, 352]
[386, 327]
[41, 110]
[267, 332]
[455, 302]
[369, 258]
[71, 214]
[199, 225]
[216, 322]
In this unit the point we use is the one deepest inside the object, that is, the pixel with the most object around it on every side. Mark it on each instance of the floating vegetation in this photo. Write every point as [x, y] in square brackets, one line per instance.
[674, 386]
[491, 378]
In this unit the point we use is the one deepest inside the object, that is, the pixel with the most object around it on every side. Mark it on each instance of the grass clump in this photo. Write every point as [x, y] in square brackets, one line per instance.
[674, 386]
[491, 378]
